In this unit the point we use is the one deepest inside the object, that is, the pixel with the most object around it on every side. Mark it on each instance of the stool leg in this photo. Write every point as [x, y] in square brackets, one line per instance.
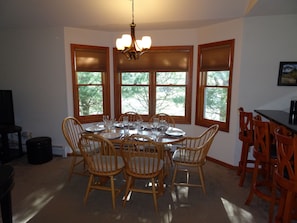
[254, 182]
[243, 163]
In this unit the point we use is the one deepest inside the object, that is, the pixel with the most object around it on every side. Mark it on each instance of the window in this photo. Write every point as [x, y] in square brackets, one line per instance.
[90, 82]
[215, 67]
[158, 82]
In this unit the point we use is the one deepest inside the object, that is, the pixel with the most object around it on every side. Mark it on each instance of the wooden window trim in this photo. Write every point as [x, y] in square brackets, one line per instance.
[201, 80]
[102, 66]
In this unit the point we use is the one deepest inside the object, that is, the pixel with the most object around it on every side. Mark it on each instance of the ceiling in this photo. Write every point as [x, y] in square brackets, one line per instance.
[116, 15]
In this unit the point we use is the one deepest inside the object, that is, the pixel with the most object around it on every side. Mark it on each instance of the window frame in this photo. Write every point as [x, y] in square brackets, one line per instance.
[152, 85]
[202, 80]
[105, 81]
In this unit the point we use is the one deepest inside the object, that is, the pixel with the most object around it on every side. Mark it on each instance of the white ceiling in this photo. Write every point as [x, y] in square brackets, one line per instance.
[116, 15]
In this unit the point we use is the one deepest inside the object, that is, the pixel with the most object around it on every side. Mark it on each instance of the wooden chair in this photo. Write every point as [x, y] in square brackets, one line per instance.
[192, 152]
[72, 130]
[103, 164]
[143, 161]
[246, 135]
[265, 160]
[132, 116]
[286, 177]
[162, 116]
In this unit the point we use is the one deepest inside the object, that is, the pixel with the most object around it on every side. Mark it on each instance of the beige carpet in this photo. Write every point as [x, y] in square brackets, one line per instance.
[43, 194]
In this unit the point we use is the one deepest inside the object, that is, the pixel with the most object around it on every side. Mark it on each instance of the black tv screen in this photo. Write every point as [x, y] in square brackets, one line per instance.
[6, 108]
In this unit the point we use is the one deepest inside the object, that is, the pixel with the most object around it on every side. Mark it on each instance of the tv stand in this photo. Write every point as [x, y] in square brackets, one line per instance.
[6, 153]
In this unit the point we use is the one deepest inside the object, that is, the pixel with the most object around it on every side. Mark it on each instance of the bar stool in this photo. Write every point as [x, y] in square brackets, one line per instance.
[246, 136]
[286, 176]
[265, 160]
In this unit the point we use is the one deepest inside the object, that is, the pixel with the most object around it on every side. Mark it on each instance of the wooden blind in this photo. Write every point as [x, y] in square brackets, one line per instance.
[89, 59]
[157, 58]
[214, 58]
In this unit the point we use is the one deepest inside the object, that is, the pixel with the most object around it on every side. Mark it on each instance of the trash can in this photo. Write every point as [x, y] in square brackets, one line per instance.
[39, 150]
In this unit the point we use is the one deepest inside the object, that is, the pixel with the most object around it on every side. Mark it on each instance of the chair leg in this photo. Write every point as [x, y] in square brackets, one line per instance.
[169, 156]
[91, 179]
[201, 174]
[73, 161]
[113, 195]
[161, 183]
[173, 177]
[154, 194]
[128, 186]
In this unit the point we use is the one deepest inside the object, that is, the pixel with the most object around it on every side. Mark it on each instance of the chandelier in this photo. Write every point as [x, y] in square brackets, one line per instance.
[131, 47]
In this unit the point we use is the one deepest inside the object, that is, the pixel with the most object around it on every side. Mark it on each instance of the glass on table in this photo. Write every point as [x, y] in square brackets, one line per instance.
[155, 122]
[105, 118]
[138, 125]
[125, 121]
[163, 126]
[155, 133]
[110, 125]
[126, 130]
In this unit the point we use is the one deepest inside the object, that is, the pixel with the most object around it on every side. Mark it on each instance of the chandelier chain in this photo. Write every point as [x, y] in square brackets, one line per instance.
[132, 11]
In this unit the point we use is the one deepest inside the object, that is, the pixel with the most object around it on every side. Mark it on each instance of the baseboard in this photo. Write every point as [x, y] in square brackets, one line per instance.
[227, 165]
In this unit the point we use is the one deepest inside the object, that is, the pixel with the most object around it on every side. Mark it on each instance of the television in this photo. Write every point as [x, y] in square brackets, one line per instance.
[6, 108]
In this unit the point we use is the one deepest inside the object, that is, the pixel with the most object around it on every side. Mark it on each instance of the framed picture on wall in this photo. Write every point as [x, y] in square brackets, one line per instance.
[287, 75]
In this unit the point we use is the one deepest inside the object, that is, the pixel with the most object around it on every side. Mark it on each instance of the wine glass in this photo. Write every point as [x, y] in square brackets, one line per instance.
[125, 121]
[163, 125]
[109, 125]
[155, 122]
[105, 119]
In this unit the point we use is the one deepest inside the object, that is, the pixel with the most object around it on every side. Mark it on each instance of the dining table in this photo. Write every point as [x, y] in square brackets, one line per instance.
[280, 118]
[171, 136]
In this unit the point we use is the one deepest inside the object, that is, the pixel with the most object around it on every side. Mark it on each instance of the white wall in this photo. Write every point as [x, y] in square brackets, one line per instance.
[266, 41]
[32, 64]
[36, 66]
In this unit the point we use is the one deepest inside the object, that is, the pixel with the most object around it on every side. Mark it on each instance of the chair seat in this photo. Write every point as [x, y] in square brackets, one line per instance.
[186, 156]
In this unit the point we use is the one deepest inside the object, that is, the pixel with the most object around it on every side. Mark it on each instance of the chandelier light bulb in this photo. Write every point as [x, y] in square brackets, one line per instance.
[146, 42]
[127, 40]
[120, 44]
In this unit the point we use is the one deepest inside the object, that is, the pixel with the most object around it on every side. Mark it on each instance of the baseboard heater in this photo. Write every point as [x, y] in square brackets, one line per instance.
[58, 150]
